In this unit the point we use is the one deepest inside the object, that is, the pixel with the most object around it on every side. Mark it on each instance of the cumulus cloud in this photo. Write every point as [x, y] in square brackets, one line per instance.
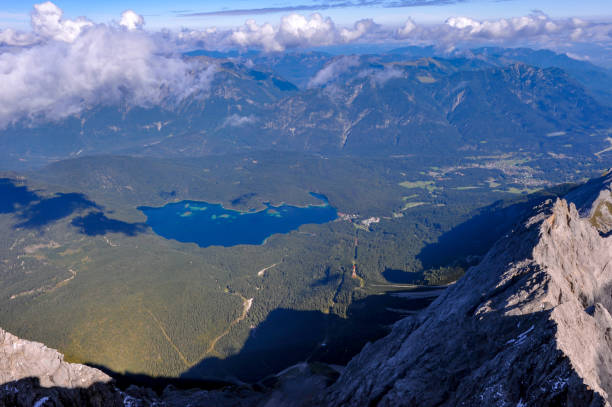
[293, 31]
[131, 21]
[333, 69]
[251, 35]
[47, 22]
[506, 28]
[405, 31]
[536, 29]
[92, 64]
[361, 28]
[297, 30]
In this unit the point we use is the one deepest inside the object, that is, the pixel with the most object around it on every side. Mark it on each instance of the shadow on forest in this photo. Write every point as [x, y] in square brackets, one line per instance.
[403, 277]
[327, 279]
[12, 196]
[36, 211]
[285, 338]
[96, 223]
[474, 237]
[49, 210]
[288, 337]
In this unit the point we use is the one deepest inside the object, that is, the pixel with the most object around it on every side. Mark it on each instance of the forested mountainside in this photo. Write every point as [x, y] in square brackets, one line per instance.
[527, 326]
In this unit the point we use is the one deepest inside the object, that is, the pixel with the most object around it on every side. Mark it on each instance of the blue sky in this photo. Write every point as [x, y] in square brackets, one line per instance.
[180, 13]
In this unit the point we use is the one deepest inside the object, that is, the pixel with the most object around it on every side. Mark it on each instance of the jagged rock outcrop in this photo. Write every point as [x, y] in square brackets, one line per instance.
[33, 375]
[529, 326]
[20, 359]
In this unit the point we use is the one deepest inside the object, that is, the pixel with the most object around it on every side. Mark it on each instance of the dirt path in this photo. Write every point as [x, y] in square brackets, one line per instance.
[263, 270]
[246, 304]
[165, 334]
[46, 288]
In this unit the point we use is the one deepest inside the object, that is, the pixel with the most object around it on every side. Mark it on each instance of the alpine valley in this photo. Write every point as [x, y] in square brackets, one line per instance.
[249, 240]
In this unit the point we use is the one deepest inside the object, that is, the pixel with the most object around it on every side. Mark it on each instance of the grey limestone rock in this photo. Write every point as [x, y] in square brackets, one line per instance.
[33, 375]
[20, 359]
[529, 326]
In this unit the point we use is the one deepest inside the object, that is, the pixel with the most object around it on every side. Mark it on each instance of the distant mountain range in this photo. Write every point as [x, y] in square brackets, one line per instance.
[488, 101]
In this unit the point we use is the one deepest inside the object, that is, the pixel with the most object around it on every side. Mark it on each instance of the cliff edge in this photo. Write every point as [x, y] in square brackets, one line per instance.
[529, 326]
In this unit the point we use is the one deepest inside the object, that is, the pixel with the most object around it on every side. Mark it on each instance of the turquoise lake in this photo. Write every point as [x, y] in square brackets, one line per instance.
[209, 224]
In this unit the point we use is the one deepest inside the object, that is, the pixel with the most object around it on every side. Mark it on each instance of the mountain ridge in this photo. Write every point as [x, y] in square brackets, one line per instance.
[527, 326]
[420, 104]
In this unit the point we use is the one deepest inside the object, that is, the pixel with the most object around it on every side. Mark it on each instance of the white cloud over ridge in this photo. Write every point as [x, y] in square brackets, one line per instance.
[235, 120]
[71, 65]
[333, 69]
[382, 76]
[296, 31]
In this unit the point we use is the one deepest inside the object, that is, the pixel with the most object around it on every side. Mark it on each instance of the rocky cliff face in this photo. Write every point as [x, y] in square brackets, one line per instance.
[33, 375]
[529, 326]
[20, 359]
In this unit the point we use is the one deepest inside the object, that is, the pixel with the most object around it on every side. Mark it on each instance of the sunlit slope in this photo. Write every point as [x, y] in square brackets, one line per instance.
[114, 293]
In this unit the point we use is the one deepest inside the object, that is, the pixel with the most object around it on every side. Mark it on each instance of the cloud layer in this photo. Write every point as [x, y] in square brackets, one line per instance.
[63, 66]
[295, 31]
[70, 65]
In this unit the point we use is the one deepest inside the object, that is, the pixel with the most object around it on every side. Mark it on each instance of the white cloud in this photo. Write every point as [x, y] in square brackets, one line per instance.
[253, 35]
[296, 30]
[408, 28]
[236, 120]
[78, 66]
[333, 69]
[48, 23]
[536, 29]
[361, 28]
[526, 26]
[381, 76]
[131, 21]
[293, 31]
[11, 37]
